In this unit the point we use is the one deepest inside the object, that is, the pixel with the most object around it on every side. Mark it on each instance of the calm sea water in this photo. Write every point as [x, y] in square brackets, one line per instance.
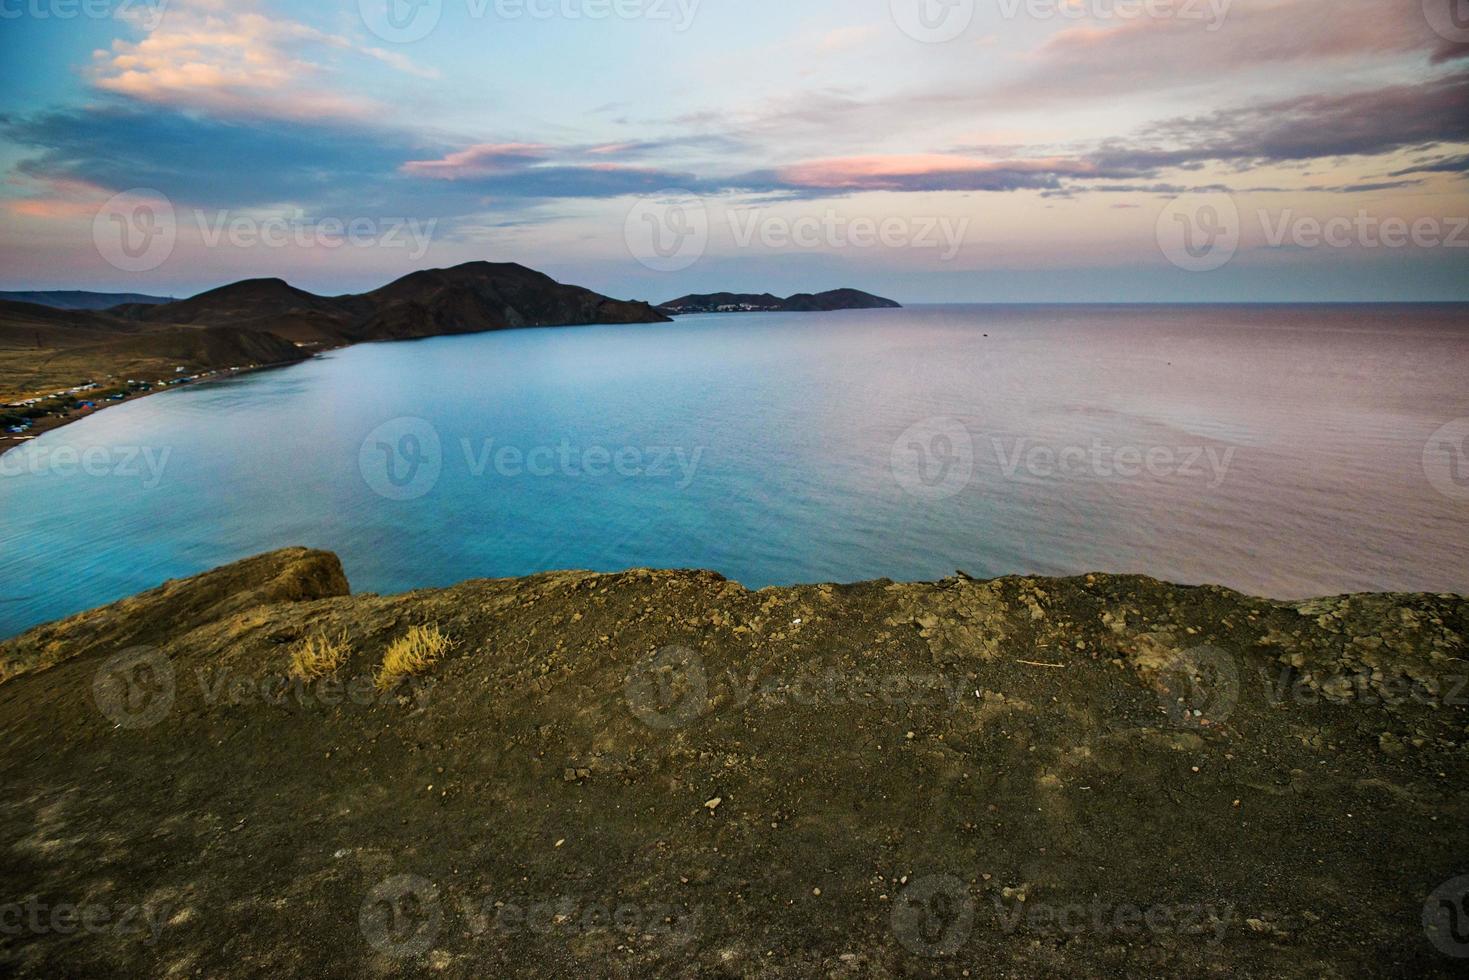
[1283, 451]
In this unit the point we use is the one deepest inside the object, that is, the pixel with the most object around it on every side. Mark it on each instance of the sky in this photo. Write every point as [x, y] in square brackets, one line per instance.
[926, 150]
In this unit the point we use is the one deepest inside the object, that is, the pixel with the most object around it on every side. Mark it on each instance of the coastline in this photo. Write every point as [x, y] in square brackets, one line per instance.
[9, 441]
[40, 427]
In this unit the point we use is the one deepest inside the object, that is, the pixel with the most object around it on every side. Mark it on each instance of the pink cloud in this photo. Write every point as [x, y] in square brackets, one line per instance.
[480, 160]
[58, 198]
[611, 149]
[916, 171]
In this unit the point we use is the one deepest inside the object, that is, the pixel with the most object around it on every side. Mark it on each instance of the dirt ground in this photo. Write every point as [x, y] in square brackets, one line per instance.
[664, 774]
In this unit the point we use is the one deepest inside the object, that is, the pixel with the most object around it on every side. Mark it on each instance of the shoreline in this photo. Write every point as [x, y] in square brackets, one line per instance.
[10, 441]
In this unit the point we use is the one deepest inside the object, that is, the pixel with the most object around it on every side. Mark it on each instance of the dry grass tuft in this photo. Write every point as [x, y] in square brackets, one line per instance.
[319, 655]
[412, 653]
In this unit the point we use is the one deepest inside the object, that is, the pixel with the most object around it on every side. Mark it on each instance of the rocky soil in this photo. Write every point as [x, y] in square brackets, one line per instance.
[664, 774]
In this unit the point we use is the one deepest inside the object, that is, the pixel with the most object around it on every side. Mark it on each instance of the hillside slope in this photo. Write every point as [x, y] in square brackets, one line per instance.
[664, 774]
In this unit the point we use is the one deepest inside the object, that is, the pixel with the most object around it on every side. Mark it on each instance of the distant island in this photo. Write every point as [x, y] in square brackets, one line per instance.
[61, 359]
[836, 299]
[78, 299]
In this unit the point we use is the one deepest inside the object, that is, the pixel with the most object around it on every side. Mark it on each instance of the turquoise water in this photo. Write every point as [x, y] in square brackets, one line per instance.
[1283, 451]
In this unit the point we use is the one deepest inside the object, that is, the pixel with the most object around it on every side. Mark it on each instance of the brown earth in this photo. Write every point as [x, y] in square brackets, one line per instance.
[664, 774]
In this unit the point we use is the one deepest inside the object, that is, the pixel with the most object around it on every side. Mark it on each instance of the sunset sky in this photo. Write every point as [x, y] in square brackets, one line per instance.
[1045, 143]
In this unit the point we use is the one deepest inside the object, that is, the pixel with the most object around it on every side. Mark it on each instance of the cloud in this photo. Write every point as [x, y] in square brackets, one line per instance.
[1364, 123]
[236, 60]
[480, 160]
[844, 38]
[1441, 165]
[1284, 47]
[1251, 36]
[56, 198]
[198, 159]
[927, 172]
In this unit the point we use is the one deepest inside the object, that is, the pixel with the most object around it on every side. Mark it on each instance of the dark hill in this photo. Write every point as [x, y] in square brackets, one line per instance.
[836, 299]
[839, 299]
[469, 298]
[74, 299]
[255, 300]
[480, 296]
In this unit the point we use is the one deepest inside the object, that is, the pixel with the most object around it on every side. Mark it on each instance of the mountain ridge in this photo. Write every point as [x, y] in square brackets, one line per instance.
[56, 363]
[80, 299]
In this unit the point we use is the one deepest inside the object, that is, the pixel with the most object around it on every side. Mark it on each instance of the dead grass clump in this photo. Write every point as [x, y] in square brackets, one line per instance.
[412, 653]
[319, 655]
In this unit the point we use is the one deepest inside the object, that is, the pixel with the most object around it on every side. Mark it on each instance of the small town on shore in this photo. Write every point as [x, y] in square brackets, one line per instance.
[27, 418]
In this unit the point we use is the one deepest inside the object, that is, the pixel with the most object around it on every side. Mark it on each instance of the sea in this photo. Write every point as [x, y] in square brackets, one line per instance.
[1284, 451]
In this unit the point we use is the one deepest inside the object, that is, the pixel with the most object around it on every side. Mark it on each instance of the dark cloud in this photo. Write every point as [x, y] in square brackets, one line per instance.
[1385, 120]
[198, 160]
[1443, 165]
